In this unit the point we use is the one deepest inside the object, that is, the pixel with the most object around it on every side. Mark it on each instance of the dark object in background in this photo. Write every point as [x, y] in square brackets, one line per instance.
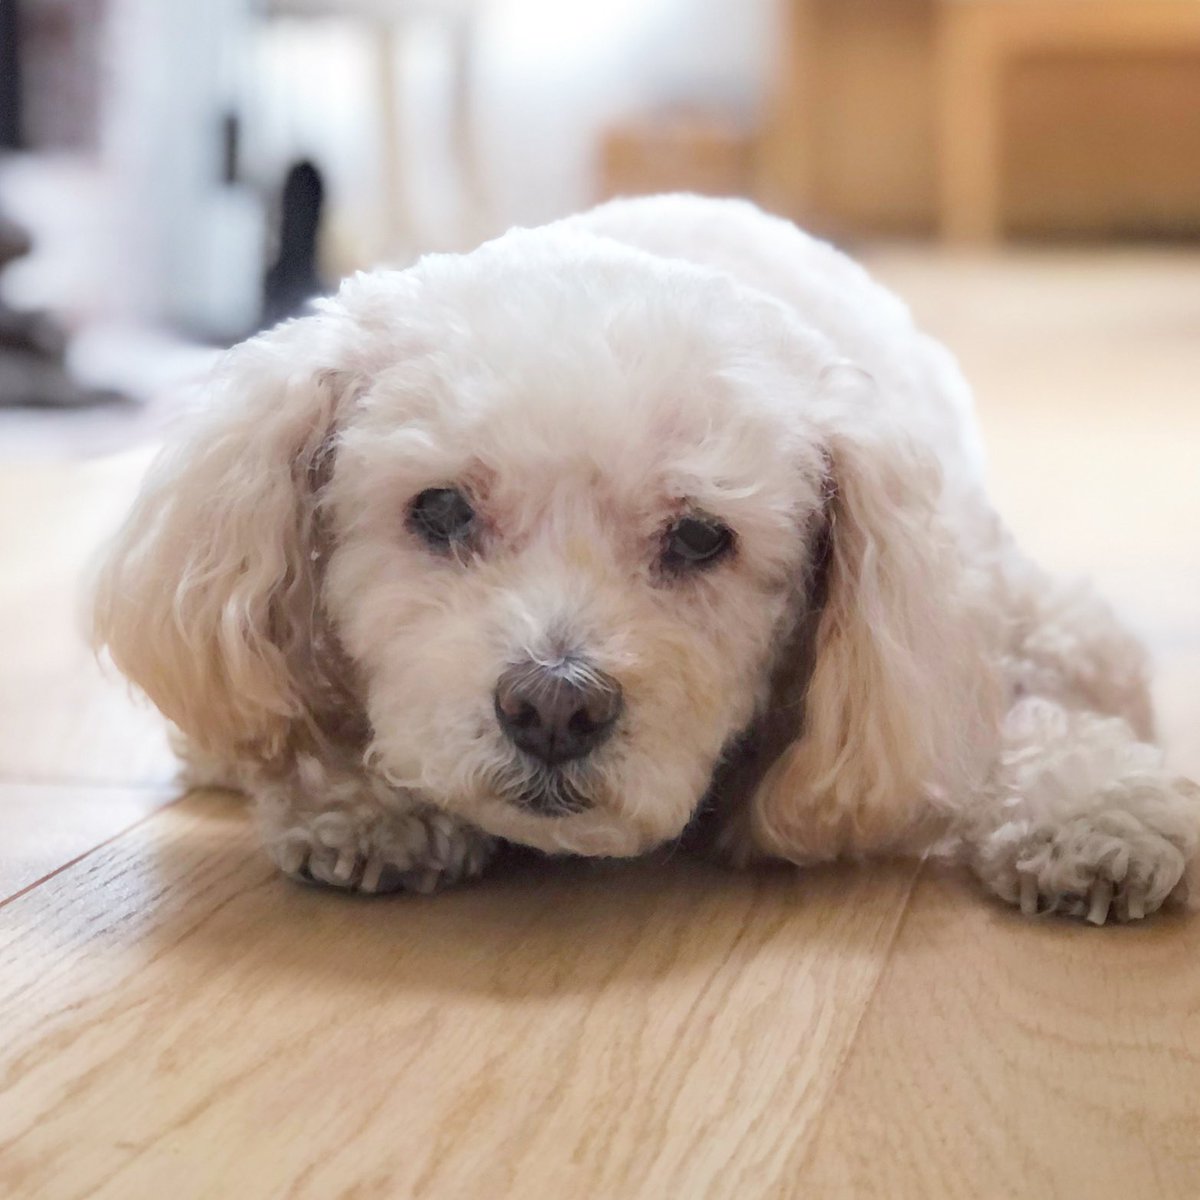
[293, 279]
[10, 82]
[32, 346]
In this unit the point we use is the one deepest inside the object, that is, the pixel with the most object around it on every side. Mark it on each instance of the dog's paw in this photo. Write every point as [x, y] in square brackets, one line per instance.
[1122, 860]
[418, 851]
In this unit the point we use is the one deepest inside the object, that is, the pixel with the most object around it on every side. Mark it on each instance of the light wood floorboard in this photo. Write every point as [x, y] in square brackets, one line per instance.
[653, 1029]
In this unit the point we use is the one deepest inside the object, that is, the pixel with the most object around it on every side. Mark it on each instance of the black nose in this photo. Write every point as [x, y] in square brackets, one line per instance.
[557, 712]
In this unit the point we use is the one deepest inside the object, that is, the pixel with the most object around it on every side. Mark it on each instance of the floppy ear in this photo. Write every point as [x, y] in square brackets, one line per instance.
[209, 597]
[886, 690]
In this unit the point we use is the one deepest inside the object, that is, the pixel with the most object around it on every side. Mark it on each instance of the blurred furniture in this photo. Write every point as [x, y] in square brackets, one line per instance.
[1077, 117]
[293, 279]
[10, 78]
[388, 20]
[61, 71]
[978, 43]
[846, 145]
[190, 225]
[670, 152]
[33, 347]
[783, 175]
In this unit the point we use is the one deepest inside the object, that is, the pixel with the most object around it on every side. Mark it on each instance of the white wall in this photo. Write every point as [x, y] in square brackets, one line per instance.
[547, 77]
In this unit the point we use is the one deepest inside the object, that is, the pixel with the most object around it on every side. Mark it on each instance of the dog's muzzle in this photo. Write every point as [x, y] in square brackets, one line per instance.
[558, 711]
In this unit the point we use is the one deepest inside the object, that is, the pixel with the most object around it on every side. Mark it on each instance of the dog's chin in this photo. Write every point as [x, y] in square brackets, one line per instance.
[590, 834]
[547, 791]
[561, 810]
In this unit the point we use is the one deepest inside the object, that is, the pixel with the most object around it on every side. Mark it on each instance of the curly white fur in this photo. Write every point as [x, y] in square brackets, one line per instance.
[874, 667]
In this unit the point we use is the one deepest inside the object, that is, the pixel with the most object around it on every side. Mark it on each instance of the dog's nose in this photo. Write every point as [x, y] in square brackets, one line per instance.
[557, 712]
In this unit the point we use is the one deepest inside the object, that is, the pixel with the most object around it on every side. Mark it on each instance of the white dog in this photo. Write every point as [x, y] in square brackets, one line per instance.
[660, 516]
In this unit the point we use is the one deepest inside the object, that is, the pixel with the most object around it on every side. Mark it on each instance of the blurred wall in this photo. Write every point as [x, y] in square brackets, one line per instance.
[544, 80]
[189, 230]
[554, 75]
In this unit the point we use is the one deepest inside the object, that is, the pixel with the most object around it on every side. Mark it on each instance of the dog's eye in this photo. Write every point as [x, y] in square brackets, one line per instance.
[441, 516]
[695, 541]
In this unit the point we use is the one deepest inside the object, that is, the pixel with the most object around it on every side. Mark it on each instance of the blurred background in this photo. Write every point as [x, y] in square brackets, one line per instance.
[185, 172]
[175, 174]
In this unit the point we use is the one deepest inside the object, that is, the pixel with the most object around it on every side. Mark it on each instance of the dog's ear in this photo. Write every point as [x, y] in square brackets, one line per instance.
[879, 699]
[208, 599]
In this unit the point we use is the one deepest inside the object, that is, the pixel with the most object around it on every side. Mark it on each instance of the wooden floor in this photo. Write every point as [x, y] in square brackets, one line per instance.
[176, 1020]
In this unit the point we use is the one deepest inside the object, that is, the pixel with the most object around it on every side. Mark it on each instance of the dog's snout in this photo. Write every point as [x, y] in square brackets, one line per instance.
[558, 711]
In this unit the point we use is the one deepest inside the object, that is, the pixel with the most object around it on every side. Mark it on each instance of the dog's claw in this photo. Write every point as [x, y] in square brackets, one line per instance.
[1029, 895]
[292, 857]
[1102, 894]
[343, 869]
[371, 874]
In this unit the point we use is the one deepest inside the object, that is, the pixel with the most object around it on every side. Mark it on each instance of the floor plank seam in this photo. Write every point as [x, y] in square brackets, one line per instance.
[29, 887]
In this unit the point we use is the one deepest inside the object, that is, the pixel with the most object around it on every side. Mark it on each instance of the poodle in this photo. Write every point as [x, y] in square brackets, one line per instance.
[659, 520]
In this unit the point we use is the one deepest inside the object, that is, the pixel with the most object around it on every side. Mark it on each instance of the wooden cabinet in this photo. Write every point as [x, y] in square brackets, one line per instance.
[979, 117]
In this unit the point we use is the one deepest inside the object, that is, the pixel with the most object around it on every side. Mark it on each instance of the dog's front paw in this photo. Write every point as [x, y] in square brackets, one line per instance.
[418, 851]
[1121, 860]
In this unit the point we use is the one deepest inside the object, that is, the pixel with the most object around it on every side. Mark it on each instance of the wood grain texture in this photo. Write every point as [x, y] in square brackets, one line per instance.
[1043, 1062]
[43, 827]
[172, 1009]
[176, 1019]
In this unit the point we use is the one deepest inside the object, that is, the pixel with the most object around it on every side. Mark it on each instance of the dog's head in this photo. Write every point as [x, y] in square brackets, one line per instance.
[559, 536]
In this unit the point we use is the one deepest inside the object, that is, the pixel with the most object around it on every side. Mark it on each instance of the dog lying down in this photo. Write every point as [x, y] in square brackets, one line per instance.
[658, 516]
